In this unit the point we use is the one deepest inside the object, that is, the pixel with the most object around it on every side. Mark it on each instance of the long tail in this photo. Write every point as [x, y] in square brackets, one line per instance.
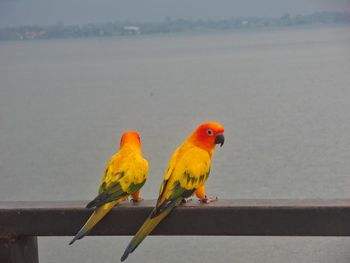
[96, 216]
[147, 227]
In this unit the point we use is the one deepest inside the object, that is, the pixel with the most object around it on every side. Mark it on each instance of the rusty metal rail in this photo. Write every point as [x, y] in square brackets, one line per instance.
[22, 222]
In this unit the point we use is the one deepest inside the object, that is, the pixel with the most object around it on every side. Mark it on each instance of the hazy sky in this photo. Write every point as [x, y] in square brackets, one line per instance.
[43, 12]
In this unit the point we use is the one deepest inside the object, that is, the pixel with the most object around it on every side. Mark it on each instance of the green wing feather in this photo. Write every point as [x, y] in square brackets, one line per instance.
[187, 170]
[114, 192]
[124, 175]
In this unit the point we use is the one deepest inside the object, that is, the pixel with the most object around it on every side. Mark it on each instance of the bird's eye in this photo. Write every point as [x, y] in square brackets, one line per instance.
[210, 132]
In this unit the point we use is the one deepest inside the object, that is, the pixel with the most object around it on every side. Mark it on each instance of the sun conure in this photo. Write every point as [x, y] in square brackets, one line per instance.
[187, 172]
[125, 174]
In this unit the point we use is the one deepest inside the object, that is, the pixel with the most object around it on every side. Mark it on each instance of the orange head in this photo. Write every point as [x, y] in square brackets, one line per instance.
[207, 135]
[130, 138]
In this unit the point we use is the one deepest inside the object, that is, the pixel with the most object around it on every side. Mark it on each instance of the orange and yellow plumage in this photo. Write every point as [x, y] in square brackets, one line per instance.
[125, 174]
[187, 172]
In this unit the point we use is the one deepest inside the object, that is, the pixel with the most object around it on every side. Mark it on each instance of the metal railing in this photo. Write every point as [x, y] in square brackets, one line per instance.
[22, 222]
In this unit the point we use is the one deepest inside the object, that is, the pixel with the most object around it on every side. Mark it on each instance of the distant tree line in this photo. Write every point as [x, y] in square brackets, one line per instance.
[169, 25]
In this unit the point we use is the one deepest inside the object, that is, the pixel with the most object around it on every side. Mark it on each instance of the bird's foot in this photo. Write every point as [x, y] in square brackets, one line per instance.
[208, 199]
[136, 200]
[186, 200]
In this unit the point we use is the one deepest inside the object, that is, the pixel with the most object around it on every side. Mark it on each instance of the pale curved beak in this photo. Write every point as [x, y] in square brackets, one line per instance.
[220, 139]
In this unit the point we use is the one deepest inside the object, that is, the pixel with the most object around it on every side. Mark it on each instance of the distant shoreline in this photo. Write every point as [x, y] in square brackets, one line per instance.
[169, 26]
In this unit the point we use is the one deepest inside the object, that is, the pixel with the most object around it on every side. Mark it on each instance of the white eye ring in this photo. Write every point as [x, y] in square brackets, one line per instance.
[210, 132]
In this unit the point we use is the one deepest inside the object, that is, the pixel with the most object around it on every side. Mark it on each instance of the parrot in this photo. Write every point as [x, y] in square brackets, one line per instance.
[125, 174]
[187, 172]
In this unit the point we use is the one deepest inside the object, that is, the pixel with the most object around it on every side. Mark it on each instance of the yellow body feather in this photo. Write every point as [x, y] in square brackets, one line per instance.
[187, 172]
[125, 167]
[189, 166]
[125, 174]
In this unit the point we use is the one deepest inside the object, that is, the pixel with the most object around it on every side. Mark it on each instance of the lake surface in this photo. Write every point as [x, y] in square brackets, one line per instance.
[282, 95]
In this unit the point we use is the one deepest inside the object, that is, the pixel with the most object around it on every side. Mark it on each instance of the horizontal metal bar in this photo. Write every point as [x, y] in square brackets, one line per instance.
[224, 217]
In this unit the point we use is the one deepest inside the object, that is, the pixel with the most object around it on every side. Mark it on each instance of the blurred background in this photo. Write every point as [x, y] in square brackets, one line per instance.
[75, 74]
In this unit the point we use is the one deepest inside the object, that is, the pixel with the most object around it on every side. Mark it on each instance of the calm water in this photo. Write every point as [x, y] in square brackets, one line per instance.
[283, 96]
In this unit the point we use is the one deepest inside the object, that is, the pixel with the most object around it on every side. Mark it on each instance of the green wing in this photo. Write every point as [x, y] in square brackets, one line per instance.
[123, 176]
[187, 171]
